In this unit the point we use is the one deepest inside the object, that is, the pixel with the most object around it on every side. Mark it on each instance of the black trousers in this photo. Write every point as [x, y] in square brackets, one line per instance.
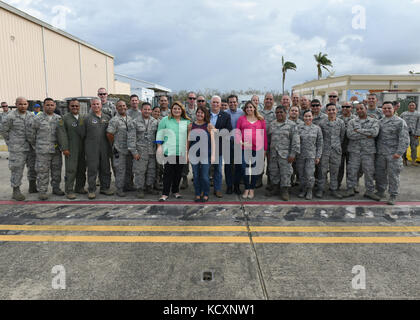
[172, 173]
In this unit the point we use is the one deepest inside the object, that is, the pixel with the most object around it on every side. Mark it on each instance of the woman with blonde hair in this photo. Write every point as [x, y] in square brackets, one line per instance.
[171, 138]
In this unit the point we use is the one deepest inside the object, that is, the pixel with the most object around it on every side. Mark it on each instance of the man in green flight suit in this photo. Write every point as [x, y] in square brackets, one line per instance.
[71, 142]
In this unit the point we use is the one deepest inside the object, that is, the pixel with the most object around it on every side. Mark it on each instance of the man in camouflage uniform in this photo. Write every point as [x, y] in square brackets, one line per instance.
[97, 149]
[372, 110]
[305, 104]
[412, 118]
[48, 154]
[269, 116]
[318, 116]
[190, 108]
[311, 142]
[333, 98]
[16, 131]
[134, 112]
[144, 166]
[3, 115]
[108, 107]
[72, 145]
[333, 132]
[361, 132]
[393, 140]
[286, 102]
[122, 136]
[346, 116]
[293, 115]
[284, 145]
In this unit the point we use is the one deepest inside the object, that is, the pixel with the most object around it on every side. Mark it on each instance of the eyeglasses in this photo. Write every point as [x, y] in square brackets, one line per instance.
[191, 98]
[332, 96]
[347, 107]
[102, 94]
[315, 105]
[201, 100]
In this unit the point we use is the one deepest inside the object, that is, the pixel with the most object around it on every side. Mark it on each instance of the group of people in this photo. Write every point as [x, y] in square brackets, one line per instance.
[151, 149]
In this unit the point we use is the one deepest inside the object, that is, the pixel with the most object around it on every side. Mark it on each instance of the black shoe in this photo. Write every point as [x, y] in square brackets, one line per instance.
[229, 190]
[237, 190]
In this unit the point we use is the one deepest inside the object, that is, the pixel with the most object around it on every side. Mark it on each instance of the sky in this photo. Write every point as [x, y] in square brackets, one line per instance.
[238, 44]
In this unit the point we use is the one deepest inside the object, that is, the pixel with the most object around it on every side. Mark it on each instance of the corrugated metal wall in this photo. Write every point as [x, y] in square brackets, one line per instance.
[22, 68]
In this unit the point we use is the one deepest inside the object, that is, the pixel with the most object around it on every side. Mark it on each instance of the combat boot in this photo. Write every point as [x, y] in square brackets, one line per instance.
[275, 189]
[380, 194]
[284, 194]
[120, 193]
[414, 163]
[335, 194]
[91, 195]
[140, 195]
[301, 193]
[107, 192]
[184, 184]
[319, 194]
[17, 195]
[150, 190]
[391, 200]
[58, 192]
[309, 194]
[349, 193]
[372, 196]
[43, 196]
[32, 186]
[71, 195]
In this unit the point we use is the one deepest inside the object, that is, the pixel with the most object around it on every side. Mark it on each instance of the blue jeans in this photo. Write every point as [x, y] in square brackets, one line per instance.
[201, 178]
[218, 176]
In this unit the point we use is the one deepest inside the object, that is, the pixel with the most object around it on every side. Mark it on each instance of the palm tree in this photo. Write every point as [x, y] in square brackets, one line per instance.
[412, 72]
[322, 62]
[286, 66]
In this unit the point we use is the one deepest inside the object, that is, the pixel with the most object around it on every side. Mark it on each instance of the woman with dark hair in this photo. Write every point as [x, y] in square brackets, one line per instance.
[172, 148]
[202, 157]
[252, 135]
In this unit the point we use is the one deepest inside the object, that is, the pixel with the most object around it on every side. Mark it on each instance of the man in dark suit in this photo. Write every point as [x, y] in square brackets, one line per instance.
[220, 120]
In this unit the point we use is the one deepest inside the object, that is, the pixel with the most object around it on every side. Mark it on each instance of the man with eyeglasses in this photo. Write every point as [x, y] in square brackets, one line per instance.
[71, 142]
[346, 116]
[269, 116]
[191, 108]
[201, 102]
[316, 112]
[108, 107]
[333, 98]
[372, 110]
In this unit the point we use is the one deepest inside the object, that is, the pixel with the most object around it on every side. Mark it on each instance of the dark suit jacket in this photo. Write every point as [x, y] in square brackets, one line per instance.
[223, 122]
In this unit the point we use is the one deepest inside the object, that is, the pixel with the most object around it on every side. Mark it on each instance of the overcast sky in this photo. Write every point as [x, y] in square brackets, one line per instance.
[238, 44]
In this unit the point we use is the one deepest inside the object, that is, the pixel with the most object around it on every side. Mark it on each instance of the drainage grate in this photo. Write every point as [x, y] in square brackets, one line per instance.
[207, 276]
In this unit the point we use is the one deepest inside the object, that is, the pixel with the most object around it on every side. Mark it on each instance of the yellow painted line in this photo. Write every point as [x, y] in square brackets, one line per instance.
[182, 239]
[125, 228]
[313, 229]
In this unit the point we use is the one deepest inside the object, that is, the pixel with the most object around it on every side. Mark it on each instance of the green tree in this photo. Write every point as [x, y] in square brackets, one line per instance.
[322, 62]
[286, 66]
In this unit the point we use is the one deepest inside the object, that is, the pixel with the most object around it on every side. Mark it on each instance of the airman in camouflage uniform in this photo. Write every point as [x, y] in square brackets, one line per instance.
[372, 110]
[333, 132]
[108, 107]
[392, 142]
[16, 131]
[293, 115]
[144, 166]
[412, 118]
[97, 149]
[72, 145]
[121, 134]
[361, 132]
[3, 115]
[269, 116]
[311, 142]
[284, 145]
[48, 154]
[346, 116]
[318, 116]
[164, 106]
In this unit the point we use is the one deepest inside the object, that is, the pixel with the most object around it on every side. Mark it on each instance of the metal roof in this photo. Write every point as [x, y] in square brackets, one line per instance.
[26, 16]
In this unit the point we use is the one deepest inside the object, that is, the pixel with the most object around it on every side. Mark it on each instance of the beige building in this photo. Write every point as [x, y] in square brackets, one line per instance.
[39, 61]
[359, 85]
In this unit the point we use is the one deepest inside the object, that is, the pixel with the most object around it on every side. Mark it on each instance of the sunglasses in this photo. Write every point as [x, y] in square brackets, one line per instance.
[201, 100]
[102, 94]
[347, 107]
[332, 96]
[315, 105]
[191, 98]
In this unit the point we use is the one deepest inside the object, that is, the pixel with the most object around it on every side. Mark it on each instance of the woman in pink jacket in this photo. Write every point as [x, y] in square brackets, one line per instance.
[251, 133]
